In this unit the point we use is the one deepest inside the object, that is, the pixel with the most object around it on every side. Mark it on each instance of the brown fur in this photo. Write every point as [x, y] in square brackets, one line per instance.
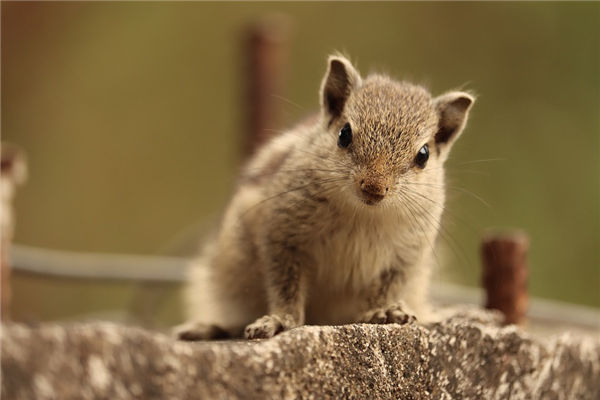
[303, 240]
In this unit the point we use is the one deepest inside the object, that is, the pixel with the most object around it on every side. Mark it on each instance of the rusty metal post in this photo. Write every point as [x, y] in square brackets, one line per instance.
[264, 51]
[505, 274]
[13, 173]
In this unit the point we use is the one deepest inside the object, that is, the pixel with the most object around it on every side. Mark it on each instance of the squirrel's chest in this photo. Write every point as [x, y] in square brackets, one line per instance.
[349, 254]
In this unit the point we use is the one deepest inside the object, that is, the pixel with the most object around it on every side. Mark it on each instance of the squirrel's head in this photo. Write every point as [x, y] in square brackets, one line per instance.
[392, 137]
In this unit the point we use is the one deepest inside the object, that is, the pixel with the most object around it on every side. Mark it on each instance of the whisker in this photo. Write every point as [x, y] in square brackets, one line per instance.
[452, 187]
[444, 233]
[482, 161]
[276, 96]
[410, 207]
[294, 189]
[443, 208]
[293, 170]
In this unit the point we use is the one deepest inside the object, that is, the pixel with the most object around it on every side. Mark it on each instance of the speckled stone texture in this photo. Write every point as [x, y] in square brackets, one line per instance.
[467, 356]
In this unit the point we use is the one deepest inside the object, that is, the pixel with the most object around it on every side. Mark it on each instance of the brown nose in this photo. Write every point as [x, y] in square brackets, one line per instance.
[373, 190]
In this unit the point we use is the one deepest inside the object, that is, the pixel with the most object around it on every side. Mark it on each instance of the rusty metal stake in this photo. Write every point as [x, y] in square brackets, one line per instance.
[265, 54]
[13, 172]
[505, 274]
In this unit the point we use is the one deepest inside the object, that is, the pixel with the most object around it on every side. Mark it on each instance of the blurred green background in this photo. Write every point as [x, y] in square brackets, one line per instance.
[132, 113]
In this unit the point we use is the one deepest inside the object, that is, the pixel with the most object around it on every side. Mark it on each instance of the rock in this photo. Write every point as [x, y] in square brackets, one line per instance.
[466, 356]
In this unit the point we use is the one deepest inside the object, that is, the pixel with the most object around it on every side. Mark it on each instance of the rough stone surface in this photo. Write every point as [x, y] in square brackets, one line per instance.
[467, 356]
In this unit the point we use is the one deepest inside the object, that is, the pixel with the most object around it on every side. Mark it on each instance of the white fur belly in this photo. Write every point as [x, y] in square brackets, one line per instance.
[347, 261]
[352, 256]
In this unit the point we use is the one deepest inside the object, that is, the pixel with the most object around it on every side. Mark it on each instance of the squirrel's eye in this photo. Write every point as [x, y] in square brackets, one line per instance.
[422, 156]
[345, 136]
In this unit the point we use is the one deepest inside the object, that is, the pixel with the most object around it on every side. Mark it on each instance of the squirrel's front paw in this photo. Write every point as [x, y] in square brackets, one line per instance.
[194, 331]
[268, 326]
[393, 314]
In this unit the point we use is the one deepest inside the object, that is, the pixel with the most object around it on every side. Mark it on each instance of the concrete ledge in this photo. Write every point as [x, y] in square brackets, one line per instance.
[467, 356]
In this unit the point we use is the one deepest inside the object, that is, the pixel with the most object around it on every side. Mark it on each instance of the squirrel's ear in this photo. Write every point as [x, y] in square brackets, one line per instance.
[341, 78]
[453, 110]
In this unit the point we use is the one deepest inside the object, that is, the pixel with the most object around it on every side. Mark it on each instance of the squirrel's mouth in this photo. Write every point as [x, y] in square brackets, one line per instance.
[371, 199]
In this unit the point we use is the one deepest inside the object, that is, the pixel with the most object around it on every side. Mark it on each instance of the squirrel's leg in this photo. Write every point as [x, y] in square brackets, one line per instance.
[285, 283]
[196, 331]
[382, 300]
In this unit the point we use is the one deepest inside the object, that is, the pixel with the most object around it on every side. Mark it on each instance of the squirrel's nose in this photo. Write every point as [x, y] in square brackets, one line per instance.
[373, 190]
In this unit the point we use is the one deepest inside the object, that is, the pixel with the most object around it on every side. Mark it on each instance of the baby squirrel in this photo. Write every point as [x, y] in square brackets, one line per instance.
[333, 221]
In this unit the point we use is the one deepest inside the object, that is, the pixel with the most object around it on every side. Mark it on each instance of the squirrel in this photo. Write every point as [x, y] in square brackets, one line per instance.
[333, 221]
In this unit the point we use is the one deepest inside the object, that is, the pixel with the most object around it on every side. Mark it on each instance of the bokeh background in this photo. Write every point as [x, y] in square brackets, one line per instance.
[132, 116]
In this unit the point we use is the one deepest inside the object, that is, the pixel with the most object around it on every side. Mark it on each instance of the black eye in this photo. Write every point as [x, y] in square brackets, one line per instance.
[422, 156]
[345, 136]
